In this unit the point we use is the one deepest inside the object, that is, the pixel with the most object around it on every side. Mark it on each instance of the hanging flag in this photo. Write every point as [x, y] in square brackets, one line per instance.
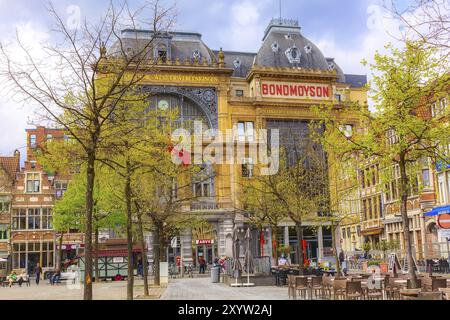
[262, 242]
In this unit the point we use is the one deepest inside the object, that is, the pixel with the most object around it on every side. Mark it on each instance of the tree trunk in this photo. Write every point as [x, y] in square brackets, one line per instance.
[60, 251]
[90, 177]
[274, 248]
[299, 230]
[144, 254]
[130, 277]
[97, 270]
[404, 212]
[156, 253]
[335, 251]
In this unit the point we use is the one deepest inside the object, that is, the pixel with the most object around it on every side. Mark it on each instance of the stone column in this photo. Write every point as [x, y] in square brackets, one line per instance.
[225, 234]
[320, 241]
[186, 245]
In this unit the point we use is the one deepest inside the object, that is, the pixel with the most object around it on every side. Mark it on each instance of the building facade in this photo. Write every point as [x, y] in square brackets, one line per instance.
[35, 190]
[9, 168]
[273, 88]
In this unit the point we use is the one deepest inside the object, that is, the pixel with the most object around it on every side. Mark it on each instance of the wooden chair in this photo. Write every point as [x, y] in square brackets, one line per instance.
[291, 286]
[317, 287]
[393, 289]
[327, 285]
[353, 290]
[436, 284]
[339, 288]
[430, 296]
[301, 285]
[409, 284]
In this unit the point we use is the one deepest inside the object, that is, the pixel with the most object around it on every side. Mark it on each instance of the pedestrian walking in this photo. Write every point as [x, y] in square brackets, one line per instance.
[38, 272]
[202, 263]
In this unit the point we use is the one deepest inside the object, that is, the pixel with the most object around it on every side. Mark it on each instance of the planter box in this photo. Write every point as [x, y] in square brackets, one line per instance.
[364, 266]
[384, 268]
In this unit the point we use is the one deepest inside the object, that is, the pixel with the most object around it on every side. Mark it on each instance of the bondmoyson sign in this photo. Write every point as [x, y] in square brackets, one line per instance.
[295, 90]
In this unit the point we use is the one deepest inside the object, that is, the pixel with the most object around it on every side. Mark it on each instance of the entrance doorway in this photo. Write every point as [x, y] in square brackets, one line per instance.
[208, 252]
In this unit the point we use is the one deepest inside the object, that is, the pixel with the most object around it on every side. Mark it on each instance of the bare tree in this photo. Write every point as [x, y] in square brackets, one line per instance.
[78, 82]
[427, 20]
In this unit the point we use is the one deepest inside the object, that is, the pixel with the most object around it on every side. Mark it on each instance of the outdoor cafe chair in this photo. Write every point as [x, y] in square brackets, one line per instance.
[409, 284]
[291, 285]
[436, 284]
[301, 285]
[353, 290]
[339, 288]
[393, 288]
[430, 296]
[317, 286]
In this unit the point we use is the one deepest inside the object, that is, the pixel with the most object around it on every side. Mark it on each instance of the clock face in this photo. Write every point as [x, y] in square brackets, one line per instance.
[163, 105]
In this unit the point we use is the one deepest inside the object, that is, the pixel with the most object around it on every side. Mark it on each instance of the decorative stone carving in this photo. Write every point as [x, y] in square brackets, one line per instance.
[237, 63]
[308, 49]
[275, 47]
[205, 98]
[293, 54]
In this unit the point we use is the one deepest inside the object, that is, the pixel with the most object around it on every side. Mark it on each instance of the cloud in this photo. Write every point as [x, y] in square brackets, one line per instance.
[14, 114]
[246, 26]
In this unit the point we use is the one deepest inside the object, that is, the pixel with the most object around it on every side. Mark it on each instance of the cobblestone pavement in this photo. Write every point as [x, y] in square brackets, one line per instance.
[203, 289]
[102, 291]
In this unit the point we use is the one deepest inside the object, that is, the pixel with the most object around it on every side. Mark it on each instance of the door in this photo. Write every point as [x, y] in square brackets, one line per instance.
[33, 259]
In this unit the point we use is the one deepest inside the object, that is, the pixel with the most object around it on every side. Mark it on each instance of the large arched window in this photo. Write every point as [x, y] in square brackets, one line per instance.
[187, 112]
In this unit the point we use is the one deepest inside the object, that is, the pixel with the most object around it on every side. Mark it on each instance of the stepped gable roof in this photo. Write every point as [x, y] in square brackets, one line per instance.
[285, 46]
[11, 165]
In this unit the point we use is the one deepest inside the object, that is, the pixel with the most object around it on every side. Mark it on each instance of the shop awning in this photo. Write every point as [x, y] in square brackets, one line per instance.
[438, 210]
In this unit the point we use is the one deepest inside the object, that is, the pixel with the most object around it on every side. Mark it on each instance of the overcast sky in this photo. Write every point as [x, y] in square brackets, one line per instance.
[348, 30]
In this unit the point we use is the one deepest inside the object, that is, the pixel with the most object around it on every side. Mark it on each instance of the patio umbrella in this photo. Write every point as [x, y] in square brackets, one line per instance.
[249, 266]
[236, 267]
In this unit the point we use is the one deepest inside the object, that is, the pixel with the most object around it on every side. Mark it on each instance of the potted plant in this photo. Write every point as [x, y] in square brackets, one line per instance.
[384, 246]
[366, 247]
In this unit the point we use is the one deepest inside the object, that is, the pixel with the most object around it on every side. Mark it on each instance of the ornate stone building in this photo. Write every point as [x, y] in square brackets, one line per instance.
[272, 88]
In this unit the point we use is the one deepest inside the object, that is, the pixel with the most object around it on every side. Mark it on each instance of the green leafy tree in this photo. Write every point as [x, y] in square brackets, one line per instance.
[402, 130]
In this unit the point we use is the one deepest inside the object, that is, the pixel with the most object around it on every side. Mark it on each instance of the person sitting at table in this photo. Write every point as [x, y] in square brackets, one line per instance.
[282, 261]
[23, 277]
[12, 278]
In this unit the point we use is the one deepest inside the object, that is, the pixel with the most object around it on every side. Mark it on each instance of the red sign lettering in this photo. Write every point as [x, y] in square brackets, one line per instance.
[295, 90]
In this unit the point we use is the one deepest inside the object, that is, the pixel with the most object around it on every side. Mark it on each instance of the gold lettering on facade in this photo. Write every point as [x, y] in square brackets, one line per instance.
[182, 78]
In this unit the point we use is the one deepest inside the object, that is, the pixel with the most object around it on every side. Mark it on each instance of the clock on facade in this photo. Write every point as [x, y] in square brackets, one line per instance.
[163, 105]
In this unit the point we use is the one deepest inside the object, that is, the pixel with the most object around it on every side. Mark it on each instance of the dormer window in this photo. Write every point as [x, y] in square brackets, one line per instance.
[308, 49]
[293, 55]
[196, 54]
[161, 53]
[331, 66]
[237, 63]
[275, 47]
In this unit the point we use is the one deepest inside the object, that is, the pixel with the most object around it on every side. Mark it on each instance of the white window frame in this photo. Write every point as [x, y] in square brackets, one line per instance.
[33, 179]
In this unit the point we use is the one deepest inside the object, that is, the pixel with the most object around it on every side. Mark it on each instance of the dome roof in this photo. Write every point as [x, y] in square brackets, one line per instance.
[284, 46]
